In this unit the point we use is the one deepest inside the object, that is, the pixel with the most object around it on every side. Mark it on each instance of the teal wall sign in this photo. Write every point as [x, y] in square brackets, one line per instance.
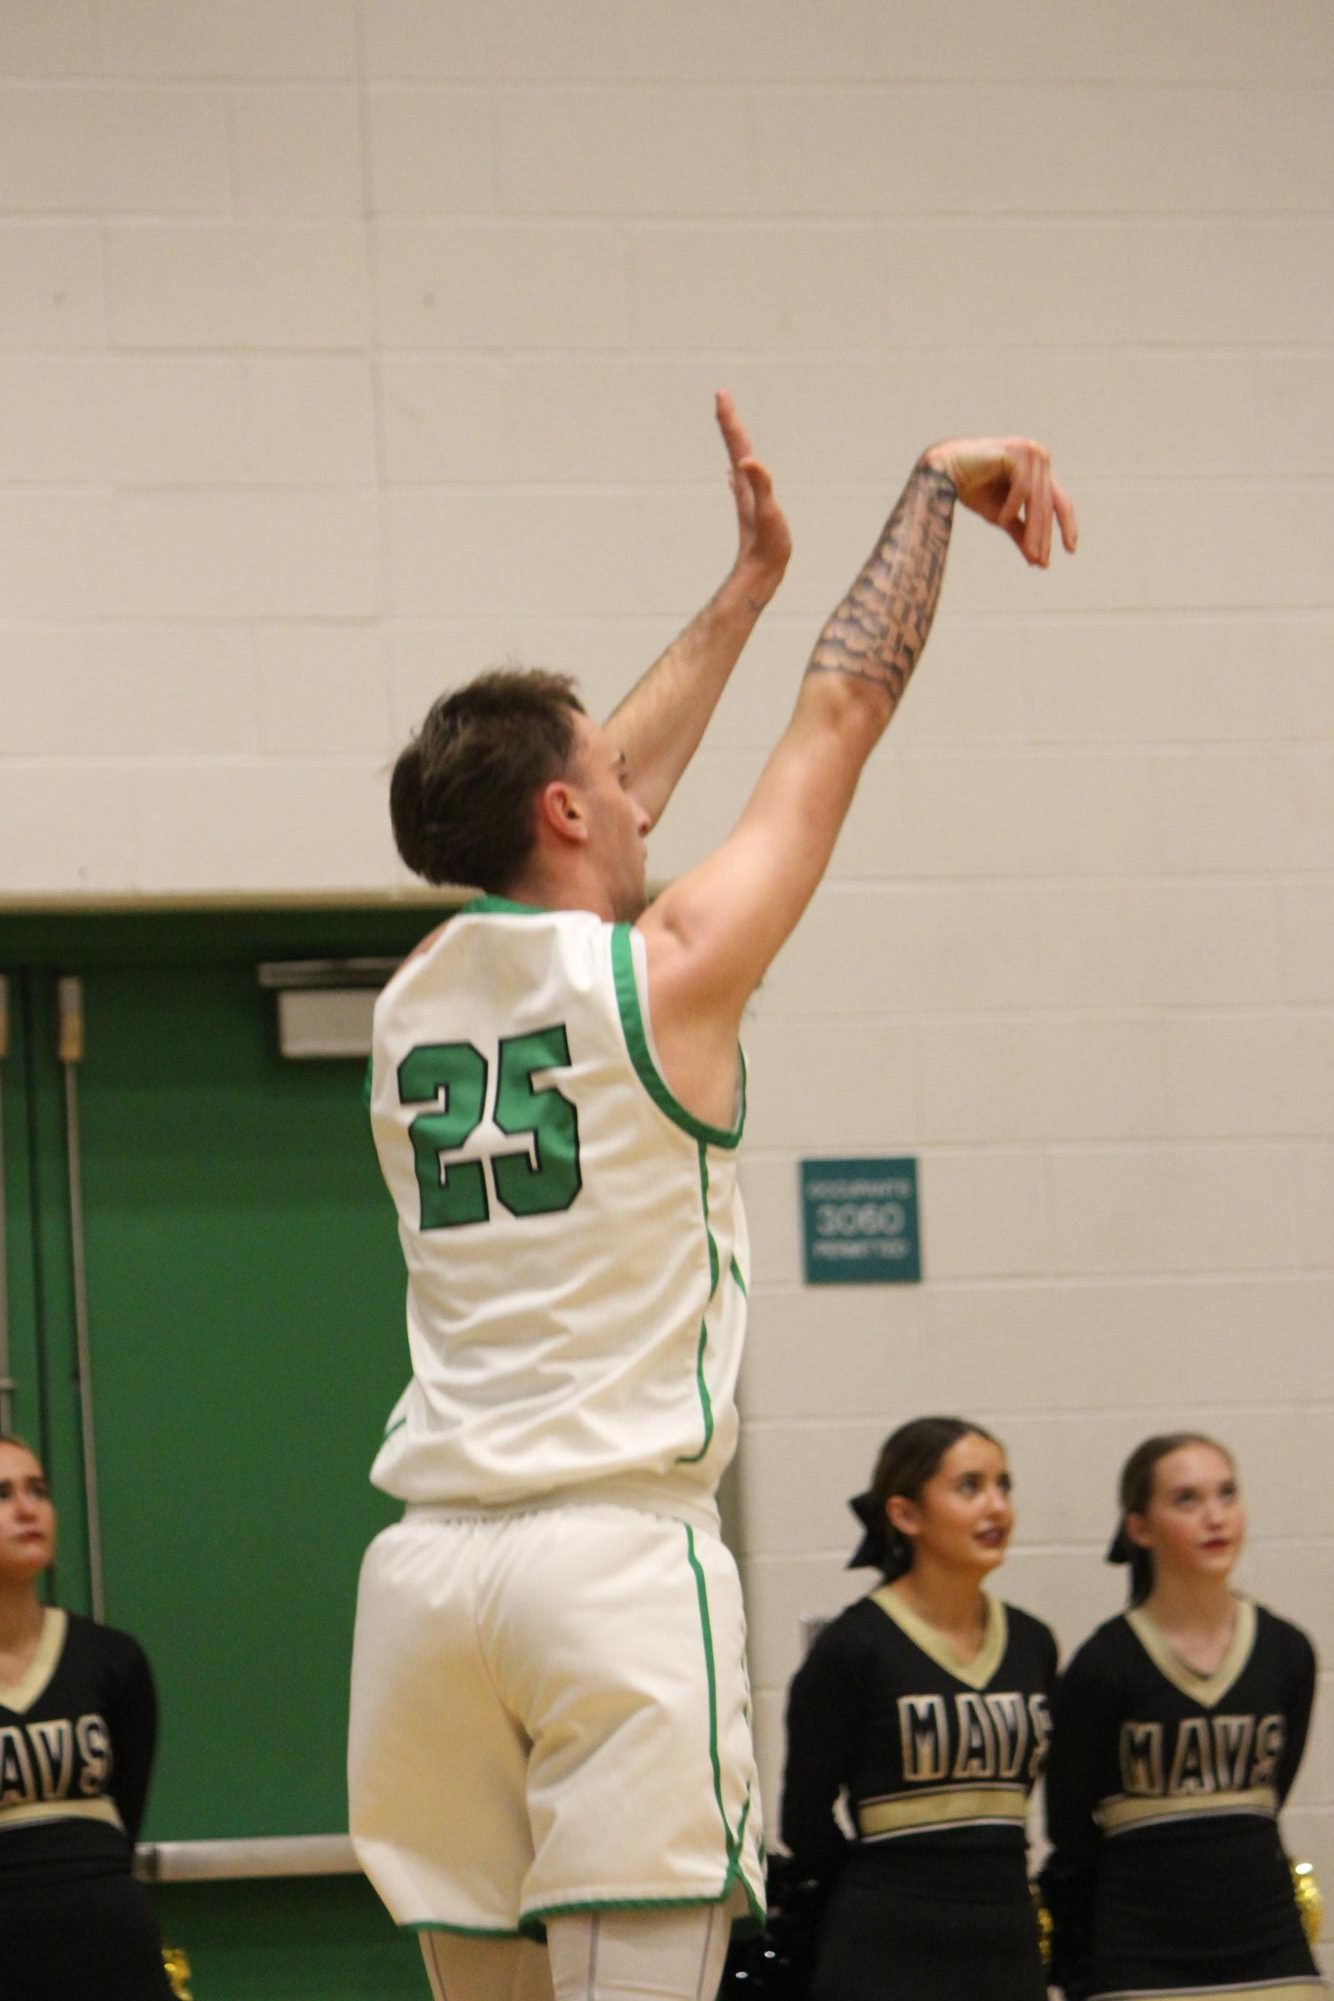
[859, 1222]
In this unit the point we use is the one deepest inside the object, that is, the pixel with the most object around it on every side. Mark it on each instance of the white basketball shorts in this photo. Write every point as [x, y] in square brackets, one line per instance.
[550, 1712]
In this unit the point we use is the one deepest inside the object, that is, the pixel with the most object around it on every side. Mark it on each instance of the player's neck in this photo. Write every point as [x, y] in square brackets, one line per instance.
[1180, 1603]
[21, 1615]
[565, 884]
[952, 1601]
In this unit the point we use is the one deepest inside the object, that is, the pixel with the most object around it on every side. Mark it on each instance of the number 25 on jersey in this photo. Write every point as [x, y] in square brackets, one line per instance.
[537, 1178]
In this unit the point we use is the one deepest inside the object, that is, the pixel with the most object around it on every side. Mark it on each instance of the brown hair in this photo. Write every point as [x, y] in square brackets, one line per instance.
[462, 791]
[907, 1460]
[1135, 1493]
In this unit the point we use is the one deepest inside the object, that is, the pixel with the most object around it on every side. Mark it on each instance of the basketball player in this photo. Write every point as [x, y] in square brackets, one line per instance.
[550, 1732]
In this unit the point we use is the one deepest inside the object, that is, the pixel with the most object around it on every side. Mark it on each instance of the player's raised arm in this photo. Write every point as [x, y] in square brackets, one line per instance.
[661, 720]
[713, 934]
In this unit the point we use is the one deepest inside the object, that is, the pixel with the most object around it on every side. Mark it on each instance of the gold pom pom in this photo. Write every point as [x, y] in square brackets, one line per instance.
[1042, 1918]
[1310, 1903]
[178, 1972]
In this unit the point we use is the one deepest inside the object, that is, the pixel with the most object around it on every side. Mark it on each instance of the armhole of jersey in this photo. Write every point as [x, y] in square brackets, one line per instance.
[634, 1026]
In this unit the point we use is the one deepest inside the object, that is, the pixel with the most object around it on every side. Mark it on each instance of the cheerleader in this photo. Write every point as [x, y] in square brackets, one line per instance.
[923, 1710]
[77, 1727]
[1177, 1732]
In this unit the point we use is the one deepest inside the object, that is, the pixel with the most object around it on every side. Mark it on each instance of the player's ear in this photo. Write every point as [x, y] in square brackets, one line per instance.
[1136, 1531]
[903, 1514]
[560, 812]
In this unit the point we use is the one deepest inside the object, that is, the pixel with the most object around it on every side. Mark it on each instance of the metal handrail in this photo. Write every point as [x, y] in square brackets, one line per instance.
[259, 1855]
[70, 1051]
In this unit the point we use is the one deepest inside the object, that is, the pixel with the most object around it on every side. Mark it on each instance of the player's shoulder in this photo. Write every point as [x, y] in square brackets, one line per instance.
[846, 1638]
[1282, 1636]
[412, 968]
[504, 916]
[1030, 1633]
[476, 934]
[1110, 1647]
[88, 1639]
[848, 1626]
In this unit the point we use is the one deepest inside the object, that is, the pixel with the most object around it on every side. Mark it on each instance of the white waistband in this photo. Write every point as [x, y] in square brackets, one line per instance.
[640, 1491]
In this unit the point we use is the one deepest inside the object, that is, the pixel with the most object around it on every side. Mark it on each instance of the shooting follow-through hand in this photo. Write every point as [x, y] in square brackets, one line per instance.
[1009, 481]
[764, 541]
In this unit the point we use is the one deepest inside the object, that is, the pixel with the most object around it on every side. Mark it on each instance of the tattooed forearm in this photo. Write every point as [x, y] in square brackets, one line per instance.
[878, 632]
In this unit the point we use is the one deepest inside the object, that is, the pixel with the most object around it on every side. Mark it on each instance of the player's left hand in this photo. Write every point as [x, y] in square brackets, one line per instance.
[1009, 481]
[764, 541]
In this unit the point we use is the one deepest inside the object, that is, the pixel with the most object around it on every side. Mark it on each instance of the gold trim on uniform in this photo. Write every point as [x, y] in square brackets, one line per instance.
[941, 1806]
[1206, 1689]
[977, 1672]
[1115, 1815]
[21, 1694]
[24, 1816]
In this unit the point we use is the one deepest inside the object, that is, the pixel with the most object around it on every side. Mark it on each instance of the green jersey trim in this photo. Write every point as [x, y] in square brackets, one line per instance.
[499, 906]
[705, 1400]
[390, 1429]
[701, 1385]
[637, 1043]
[459, 1931]
[732, 1847]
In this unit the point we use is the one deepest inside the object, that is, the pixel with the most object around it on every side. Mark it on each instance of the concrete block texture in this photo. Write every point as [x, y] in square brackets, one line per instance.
[98, 149]
[1095, 149]
[237, 285]
[250, 38]
[105, 690]
[445, 284]
[54, 289]
[119, 419]
[752, 41]
[48, 38]
[297, 150]
[430, 150]
[350, 346]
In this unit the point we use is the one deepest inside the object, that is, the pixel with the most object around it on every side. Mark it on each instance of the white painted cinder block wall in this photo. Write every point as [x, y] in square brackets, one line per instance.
[350, 347]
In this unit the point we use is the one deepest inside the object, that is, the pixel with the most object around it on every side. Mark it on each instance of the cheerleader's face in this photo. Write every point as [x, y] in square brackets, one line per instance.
[27, 1516]
[1195, 1523]
[963, 1516]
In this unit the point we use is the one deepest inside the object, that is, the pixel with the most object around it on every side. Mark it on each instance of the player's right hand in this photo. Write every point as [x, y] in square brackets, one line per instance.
[1009, 481]
[764, 541]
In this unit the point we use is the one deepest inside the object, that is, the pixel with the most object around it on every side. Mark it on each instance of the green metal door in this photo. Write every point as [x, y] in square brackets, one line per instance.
[245, 1330]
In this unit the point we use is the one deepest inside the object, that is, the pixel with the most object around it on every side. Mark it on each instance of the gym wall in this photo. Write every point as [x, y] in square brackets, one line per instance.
[352, 346]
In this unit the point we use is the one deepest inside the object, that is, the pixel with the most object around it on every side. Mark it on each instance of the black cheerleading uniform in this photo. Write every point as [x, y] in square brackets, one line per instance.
[934, 1758]
[1167, 1874]
[76, 1748]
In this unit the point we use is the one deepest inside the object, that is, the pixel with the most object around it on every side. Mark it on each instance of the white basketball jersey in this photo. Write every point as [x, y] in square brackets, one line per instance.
[575, 1244]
